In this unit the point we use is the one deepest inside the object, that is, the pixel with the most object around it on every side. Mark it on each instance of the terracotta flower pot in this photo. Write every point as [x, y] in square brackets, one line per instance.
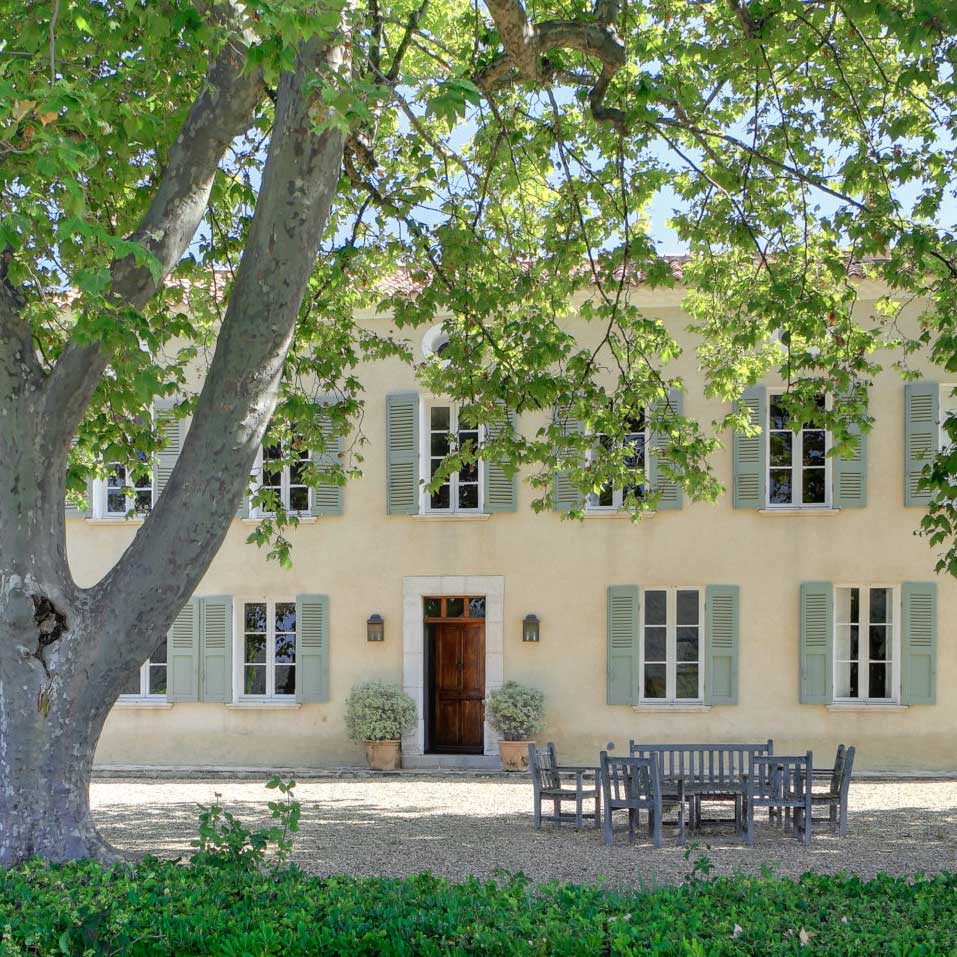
[514, 755]
[384, 755]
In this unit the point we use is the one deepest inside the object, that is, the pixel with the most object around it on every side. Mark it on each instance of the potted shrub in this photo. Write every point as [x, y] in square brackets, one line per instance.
[516, 713]
[379, 714]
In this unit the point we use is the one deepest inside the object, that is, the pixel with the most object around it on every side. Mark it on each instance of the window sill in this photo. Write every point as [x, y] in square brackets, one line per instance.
[669, 708]
[863, 707]
[303, 520]
[619, 514]
[801, 510]
[262, 705]
[452, 516]
[117, 520]
[154, 704]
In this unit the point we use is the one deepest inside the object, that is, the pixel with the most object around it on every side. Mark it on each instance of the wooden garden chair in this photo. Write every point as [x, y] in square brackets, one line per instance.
[548, 785]
[780, 783]
[634, 785]
[837, 781]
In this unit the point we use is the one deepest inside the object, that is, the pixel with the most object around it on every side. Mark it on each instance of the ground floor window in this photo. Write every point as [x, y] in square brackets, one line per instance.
[864, 643]
[672, 642]
[268, 649]
[150, 680]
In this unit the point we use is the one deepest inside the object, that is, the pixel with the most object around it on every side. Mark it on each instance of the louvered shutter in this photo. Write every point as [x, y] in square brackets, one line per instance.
[173, 431]
[402, 454]
[921, 436]
[216, 646]
[182, 649]
[817, 642]
[312, 648]
[850, 474]
[750, 453]
[722, 618]
[501, 488]
[670, 490]
[565, 496]
[919, 643]
[328, 499]
[623, 647]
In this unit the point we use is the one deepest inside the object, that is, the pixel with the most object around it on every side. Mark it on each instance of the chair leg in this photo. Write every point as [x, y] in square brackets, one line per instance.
[578, 810]
[606, 830]
[632, 821]
[832, 816]
[656, 823]
[597, 808]
[537, 820]
[842, 826]
[558, 813]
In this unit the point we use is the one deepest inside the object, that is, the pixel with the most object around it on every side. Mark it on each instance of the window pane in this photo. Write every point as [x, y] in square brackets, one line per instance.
[778, 414]
[655, 681]
[468, 496]
[255, 617]
[159, 655]
[813, 448]
[842, 605]
[855, 604]
[285, 679]
[286, 649]
[686, 681]
[842, 680]
[440, 418]
[476, 607]
[605, 497]
[779, 486]
[655, 607]
[687, 644]
[433, 607]
[814, 487]
[780, 448]
[656, 644]
[254, 679]
[255, 649]
[439, 444]
[842, 642]
[878, 650]
[878, 677]
[879, 605]
[285, 616]
[299, 499]
[157, 679]
[469, 472]
[297, 471]
[688, 607]
[454, 607]
[440, 497]
[133, 685]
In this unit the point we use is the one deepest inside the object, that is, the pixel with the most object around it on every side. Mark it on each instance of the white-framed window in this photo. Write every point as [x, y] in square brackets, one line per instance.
[948, 408]
[150, 680]
[122, 494]
[866, 643]
[266, 654]
[280, 470]
[608, 497]
[799, 471]
[443, 433]
[672, 645]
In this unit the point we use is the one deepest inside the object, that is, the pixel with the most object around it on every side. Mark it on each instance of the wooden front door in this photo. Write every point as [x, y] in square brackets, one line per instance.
[457, 713]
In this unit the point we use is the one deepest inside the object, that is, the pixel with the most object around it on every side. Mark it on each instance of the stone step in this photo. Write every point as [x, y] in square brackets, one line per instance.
[470, 762]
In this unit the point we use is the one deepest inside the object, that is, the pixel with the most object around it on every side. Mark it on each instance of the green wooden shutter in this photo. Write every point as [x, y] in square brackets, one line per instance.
[850, 474]
[312, 648]
[328, 499]
[74, 511]
[623, 647]
[750, 453]
[501, 488]
[921, 436]
[670, 490]
[182, 650]
[173, 431]
[402, 451]
[722, 623]
[565, 496]
[817, 642]
[216, 648]
[919, 643]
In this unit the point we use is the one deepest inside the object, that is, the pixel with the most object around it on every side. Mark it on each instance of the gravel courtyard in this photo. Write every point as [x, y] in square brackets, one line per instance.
[457, 825]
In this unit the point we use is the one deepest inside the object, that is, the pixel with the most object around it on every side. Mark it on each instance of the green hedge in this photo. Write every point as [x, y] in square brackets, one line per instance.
[164, 908]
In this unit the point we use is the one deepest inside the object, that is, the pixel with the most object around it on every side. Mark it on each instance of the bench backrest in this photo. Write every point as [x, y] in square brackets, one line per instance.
[702, 763]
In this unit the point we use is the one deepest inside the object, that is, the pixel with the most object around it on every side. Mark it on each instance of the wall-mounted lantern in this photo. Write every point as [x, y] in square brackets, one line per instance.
[375, 628]
[530, 628]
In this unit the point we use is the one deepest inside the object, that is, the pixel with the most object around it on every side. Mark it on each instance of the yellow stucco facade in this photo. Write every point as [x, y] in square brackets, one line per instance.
[367, 561]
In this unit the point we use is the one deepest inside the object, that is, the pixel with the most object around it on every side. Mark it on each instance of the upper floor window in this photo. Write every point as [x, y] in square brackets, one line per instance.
[125, 493]
[150, 680]
[798, 467]
[672, 639]
[268, 658]
[609, 497]
[865, 642]
[445, 433]
[280, 468]
[435, 342]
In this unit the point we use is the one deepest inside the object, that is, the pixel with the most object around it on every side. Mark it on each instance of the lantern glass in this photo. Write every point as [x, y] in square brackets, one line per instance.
[375, 628]
[530, 628]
